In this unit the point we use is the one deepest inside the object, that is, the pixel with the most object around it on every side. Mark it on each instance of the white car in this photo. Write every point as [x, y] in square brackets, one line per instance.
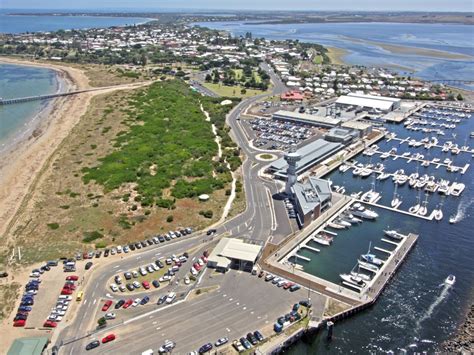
[193, 271]
[113, 251]
[150, 269]
[109, 316]
[55, 318]
[35, 274]
[126, 249]
[134, 274]
[143, 271]
[155, 267]
[186, 280]
[60, 312]
[171, 297]
[167, 346]
[169, 261]
[122, 288]
[136, 302]
[165, 278]
[136, 284]
[114, 287]
[31, 292]
[119, 249]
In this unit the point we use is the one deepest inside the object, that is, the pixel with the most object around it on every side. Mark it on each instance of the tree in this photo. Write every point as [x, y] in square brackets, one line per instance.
[459, 97]
[208, 78]
[102, 322]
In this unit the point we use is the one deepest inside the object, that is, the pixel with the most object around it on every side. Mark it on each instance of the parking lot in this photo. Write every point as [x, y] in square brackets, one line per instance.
[240, 303]
[271, 134]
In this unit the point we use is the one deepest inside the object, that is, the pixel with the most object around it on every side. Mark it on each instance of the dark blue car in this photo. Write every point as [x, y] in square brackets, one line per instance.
[24, 309]
[205, 348]
[145, 300]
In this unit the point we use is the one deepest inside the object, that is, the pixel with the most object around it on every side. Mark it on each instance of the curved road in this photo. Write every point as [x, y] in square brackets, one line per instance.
[259, 222]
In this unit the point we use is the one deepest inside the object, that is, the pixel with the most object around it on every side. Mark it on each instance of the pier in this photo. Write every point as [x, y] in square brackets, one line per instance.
[310, 248]
[429, 218]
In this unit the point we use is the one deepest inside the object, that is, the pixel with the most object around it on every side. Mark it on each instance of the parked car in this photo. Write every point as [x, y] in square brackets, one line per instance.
[156, 284]
[127, 304]
[245, 343]
[72, 278]
[108, 338]
[119, 304]
[145, 300]
[221, 341]
[258, 335]
[106, 305]
[88, 265]
[251, 338]
[146, 285]
[167, 347]
[130, 287]
[136, 302]
[19, 323]
[161, 300]
[92, 345]
[136, 284]
[109, 316]
[128, 275]
[50, 324]
[295, 288]
[114, 287]
[205, 348]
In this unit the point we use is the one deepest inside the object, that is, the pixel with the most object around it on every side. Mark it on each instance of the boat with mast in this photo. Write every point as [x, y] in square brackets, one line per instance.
[396, 198]
[414, 209]
[424, 206]
[371, 258]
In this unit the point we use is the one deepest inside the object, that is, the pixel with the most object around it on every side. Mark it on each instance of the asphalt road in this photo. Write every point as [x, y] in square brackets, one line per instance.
[264, 219]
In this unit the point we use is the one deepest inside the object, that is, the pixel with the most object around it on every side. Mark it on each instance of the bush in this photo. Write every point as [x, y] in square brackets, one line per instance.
[91, 236]
[169, 219]
[100, 245]
[206, 214]
[64, 207]
[53, 226]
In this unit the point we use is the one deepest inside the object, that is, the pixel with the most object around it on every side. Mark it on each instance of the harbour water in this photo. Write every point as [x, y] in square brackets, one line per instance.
[363, 43]
[416, 312]
[18, 120]
[32, 23]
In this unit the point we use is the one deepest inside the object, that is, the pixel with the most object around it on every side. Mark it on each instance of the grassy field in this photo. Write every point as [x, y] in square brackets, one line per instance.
[145, 156]
[8, 293]
[232, 91]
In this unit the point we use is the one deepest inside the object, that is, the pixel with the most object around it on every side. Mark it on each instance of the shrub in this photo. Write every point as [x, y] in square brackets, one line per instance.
[100, 245]
[91, 236]
[53, 226]
[169, 219]
[64, 207]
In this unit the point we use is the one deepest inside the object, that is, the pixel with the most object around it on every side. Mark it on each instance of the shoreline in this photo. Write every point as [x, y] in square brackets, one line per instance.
[336, 55]
[24, 158]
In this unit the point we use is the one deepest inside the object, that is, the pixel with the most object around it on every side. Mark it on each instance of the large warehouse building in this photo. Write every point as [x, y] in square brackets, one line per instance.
[311, 154]
[369, 102]
[318, 121]
[310, 199]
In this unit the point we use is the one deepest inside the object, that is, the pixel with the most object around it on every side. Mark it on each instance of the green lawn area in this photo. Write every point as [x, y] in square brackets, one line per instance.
[318, 59]
[232, 91]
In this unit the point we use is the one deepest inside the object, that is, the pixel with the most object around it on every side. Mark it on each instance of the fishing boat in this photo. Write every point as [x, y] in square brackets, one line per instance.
[371, 258]
[355, 280]
[394, 234]
[450, 280]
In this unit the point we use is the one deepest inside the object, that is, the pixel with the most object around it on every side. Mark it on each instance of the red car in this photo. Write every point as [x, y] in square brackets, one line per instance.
[85, 255]
[69, 287]
[19, 323]
[106, 305]
[50, 324]
[287, 285]
[197, 266]
[146, 285]
[204, 259]
[66, 291]
[108, 338]
[127, 304]
[72, 278]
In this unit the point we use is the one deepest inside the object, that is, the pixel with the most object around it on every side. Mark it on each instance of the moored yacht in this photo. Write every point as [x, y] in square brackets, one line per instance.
[355, 280]
[394, 234]
[450, 280]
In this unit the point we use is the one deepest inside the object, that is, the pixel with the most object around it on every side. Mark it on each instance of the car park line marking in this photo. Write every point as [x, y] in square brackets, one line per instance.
[244, 308]
[151, 317]
[116, 266]
[230, 299]
[154, 322]
[95, 301]
[139, 257]
[85, 301]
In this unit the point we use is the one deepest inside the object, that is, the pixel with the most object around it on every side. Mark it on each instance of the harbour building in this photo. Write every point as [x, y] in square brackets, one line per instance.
[234, 253]
[314, 120]
[368, 102]
[310, 155]
[310, 199]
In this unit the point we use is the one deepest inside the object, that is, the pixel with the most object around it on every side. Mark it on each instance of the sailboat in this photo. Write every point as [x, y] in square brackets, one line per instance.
[424, 207]
[396, 200]
[414, 209]
[438, 212]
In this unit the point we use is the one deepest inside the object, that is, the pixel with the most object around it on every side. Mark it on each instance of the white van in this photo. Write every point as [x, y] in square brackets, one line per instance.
[65, 297]
[171, 297]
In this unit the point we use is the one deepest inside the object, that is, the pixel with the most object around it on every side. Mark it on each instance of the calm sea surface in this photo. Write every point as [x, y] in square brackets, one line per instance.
[446, 37]
[416, 312]
[21, 81]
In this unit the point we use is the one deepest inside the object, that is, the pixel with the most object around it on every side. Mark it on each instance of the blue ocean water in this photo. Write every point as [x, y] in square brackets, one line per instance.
[416, 312]
[445, 37]
[21, 81]
[20, 24]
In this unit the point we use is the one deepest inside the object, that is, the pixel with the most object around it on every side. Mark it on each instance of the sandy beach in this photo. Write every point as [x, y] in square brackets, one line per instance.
[22, 164]
[337, 54]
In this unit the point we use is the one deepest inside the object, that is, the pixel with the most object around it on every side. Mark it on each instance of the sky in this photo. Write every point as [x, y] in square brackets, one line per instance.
[322, 5]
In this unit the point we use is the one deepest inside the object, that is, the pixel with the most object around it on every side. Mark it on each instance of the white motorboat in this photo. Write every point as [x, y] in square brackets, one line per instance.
[356, 171]
[438, 214]
[355, 280]
[360, 275]
[457, 188]
[401, 179]
[422, 211]
[394, 234]
[383, 176]
[372, 258]
[335, 225]
[444, 187]
[364, 213]
[414, 209]
[342, 222]
[384, 155]
[450, 280]
[365, 172]
[368, 266]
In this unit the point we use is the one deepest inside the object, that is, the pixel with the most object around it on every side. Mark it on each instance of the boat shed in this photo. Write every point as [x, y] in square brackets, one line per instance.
[28, 346]
[311, 154]
[314, 120]
[369, 102]
[234, 253]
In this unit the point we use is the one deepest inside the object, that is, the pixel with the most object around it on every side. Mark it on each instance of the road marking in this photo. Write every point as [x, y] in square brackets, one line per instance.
[95, 301]
[120, 270]
[85, 301]
[230, 299]
[139, 257]
[259, 317]
[252, 312]
[224, 295]
[155, 322]
[228, 330]
[116, 266]
[244, 308]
